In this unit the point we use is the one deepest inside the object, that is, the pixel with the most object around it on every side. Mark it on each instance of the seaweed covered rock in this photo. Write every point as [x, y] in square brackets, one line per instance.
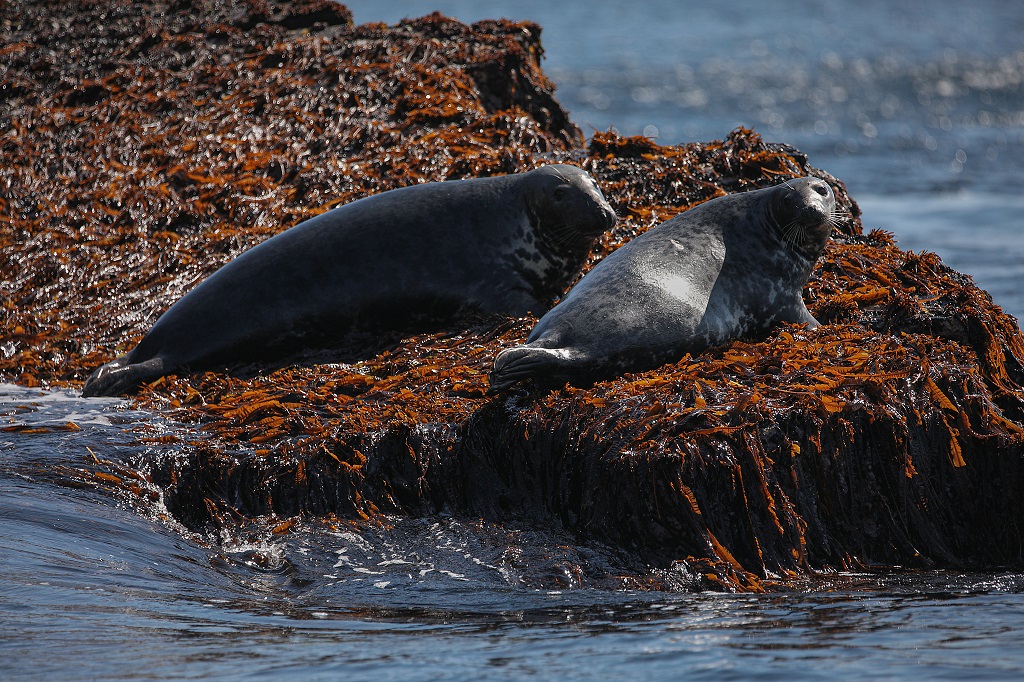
[175, 137]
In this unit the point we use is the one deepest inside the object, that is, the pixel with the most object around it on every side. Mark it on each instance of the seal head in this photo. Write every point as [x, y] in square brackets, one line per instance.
[567, 211]
[802, 214]
[731, 267]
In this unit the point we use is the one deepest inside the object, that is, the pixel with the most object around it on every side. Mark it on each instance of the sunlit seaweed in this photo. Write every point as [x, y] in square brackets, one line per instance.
[144, 149]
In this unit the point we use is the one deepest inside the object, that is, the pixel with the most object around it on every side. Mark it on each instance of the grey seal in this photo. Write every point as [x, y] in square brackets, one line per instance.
[730, 267]
[399, 260]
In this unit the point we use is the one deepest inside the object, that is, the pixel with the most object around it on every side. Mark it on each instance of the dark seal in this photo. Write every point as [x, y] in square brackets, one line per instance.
[399, 260]
[731, 267]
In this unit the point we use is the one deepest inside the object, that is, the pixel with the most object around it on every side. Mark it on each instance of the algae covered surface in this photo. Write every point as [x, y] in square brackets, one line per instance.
[146, 144]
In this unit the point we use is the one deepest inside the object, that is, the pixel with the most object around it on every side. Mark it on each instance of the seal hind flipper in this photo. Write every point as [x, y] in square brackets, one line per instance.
[527, 362]
[120, 376]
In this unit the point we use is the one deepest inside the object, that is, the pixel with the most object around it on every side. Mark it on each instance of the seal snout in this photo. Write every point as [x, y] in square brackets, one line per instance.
[811, 199]
[804, 213]
[570, 202]
[821, 195]
[608, 216]
[810, 192]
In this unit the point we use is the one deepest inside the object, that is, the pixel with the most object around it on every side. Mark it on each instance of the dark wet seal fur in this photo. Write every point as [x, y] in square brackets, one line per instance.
[397, 260]
[731, 267]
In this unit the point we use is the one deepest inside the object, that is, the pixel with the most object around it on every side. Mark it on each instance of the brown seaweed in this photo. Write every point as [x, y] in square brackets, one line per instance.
[143, 148]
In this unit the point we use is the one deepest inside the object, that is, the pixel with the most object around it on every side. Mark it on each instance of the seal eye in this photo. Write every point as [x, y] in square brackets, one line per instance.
[560, 193]
[821, 188]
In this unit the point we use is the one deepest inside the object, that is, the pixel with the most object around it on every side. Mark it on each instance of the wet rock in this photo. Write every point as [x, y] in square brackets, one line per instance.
[148, 143]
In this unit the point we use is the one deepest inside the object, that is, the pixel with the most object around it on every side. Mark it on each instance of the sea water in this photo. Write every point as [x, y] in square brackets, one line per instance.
[917, 106]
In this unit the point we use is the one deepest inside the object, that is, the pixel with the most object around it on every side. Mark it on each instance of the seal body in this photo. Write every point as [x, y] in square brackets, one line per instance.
[394, 261]
[730, 267]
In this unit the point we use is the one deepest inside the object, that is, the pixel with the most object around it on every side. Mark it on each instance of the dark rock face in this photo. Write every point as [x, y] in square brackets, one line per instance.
[145, 152]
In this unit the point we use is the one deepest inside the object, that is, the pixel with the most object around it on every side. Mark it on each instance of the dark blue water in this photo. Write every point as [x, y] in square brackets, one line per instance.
[918, 107]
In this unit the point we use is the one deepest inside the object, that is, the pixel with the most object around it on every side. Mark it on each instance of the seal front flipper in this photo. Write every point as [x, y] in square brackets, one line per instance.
[120, 376]
[799, 314]
[546, 365]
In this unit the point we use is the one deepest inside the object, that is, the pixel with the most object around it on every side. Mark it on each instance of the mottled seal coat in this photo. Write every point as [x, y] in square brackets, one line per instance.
[396, 260]
[730, 267]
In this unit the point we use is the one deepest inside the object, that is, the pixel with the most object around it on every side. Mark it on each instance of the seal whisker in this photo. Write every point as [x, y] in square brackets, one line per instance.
[836, 217]
[561, 234]
[558, 235]
[793, 233]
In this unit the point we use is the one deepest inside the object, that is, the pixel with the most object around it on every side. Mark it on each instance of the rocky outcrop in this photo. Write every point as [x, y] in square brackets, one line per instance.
[147, 151]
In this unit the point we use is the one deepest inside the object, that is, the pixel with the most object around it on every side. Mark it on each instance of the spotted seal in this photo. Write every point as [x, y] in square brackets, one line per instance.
[397, 260]
[733, 266]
